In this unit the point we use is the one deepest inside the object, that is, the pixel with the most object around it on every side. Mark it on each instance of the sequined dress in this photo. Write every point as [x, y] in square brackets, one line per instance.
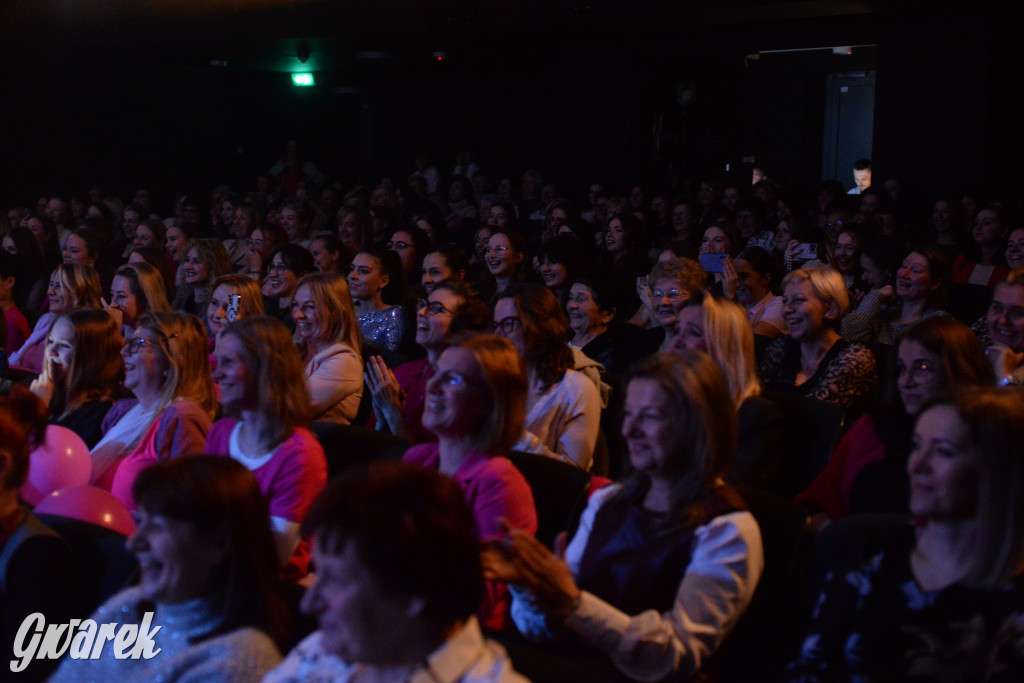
[386, 326]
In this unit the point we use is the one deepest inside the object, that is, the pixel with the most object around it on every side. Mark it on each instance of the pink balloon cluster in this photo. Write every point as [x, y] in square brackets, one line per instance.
[61, 461]
[89, 504]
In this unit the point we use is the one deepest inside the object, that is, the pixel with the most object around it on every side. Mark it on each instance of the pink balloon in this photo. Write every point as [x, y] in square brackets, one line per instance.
[89, 504]
[61, 460]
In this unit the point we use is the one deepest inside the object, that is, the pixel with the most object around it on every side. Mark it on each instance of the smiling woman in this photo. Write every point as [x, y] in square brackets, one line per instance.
[208, 571]
[325, 323]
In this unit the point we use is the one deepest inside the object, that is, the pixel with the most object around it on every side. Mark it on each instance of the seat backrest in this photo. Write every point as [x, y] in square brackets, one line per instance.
[102, 563]
[347, 445]
[558, 490]
[812, 432]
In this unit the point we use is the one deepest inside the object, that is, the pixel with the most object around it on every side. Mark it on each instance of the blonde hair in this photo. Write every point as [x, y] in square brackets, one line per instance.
[182, 338]
[828, 286]
[147, 284]
[82, 283]
[333, 301]
[729, 338]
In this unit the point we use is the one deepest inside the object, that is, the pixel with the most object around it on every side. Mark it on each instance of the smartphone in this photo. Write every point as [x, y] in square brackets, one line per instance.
[805, 251]
[713, 263]
[233, 300]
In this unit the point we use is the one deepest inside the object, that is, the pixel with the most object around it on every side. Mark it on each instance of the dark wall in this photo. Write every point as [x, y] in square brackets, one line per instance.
[580, 104]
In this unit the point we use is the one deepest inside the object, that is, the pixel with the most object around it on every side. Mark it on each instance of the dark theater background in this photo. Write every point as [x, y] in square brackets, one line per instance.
[182, 95]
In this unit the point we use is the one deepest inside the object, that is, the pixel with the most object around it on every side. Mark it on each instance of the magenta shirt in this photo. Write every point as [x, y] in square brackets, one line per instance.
[495, 490]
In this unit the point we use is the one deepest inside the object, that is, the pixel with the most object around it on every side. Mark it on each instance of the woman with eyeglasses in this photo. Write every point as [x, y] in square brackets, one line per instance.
[72, 286]
[81, 372]
[288, 264]
[263, 241]
[398, 397]
[475, 405]
[563, 406]
[867, 473]
[504, 258]
[328, 335]
[411, 244]
[166, 368]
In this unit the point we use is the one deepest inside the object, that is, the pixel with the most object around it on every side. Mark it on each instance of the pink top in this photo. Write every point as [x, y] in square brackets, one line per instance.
[412, 378]
[495, 490]
[17, 328]
[293, 476]
[831, 489]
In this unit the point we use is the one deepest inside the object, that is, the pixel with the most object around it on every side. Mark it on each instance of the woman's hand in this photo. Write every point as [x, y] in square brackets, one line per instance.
[643, 290]
[116, 313]
[383, 384]
[1004, 360]
[43, 386]
[522, 559]
[729, 278]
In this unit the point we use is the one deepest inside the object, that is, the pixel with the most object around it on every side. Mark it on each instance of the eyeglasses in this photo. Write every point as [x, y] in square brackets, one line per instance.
[397, 245]
[917, 372]
[508, 325]
[277, 268]
[670, 293]
[500, 251]
[133, 345]
[255, 243]
[431, 307]
[451, 378]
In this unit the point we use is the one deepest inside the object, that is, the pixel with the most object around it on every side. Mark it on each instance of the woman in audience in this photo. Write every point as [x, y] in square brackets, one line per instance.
[246, 219]
[82, 371]
[167, 370]
[325, 324]
[446, 262]
[749, 280]
[813, 360]
[262, 243]
[888, 312]
[942, 599]
[205, 260]
[149, 233]
[591, 312]
[72, 286]
[36, 572]
[207, 584]
[563, 407]
[162, 261]
[375, 283]
[45, 231]
[177, 239]
[88, 247]
[721, 329]
[559, 263]
[234, 297]
[983, 263]
[288, 264]
[264, 391]
[625, 255]
[504, 258]
[136, 289]
[329, 254]
[867, 473]
[475, 407]
[399, 396]
[18, 329]
[411, 245]
[671, 283]
[30, 283]
[354, 228]
[663, 565]
[1005, 323]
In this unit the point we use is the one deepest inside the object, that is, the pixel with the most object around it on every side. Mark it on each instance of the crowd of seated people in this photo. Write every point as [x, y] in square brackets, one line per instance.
[661, 351]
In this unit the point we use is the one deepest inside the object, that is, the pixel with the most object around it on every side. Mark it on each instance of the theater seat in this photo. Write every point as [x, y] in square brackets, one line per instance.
[559, 490]
[347, 445]
[812, 432]
[102, 564]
